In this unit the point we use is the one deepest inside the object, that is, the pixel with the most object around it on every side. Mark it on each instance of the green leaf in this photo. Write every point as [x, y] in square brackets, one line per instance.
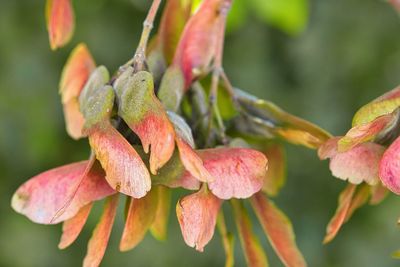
[237, 15]
[290, 16]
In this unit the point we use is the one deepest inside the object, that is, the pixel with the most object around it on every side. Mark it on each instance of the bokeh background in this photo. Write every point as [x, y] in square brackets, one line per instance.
[321, 60]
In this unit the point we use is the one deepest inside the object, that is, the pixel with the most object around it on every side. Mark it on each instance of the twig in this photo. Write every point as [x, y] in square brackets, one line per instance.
[139, 59]
[218, 70]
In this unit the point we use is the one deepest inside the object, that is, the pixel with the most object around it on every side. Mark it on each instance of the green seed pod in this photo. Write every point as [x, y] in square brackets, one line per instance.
[99, 77]
[98, 106]
[172, 88]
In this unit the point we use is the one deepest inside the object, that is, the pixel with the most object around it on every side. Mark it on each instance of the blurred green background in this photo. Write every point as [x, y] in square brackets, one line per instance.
[320, 60]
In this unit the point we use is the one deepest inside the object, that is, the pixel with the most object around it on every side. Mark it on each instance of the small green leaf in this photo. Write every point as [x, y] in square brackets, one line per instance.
[290, 16]
[237, 15]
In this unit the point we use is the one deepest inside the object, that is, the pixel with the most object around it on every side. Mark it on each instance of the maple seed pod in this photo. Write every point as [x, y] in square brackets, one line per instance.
[98, 106]
[41, 197]
[197, 216]
[139, 107]
[389, 171]
[73, 78]
[97, 79]
[140, 216]
[60, 22]
[125, 170]
[193, 54]
[172, 88]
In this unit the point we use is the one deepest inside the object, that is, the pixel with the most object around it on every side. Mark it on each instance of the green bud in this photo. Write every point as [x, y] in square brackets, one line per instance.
[99, 77]
[171, 88]
[98, 106]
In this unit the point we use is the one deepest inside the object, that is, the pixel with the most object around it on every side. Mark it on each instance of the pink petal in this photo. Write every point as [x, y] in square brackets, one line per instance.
[329, 148]
[364, 132]
[76, 72]
[197, 44]
[155, 132]
[72, 227]
[192, 161]
[173, 20]
[74, 119]
[125, 170]
[237, 172]
[359, 199]
[141, 214]
[101, 234]
[395, 4]
[389, 168]
[359, 164]
[279, 230]
[197, 216]
[43, 196]
[341, 212]
[60, 22]
[74, 76]
[253, 251]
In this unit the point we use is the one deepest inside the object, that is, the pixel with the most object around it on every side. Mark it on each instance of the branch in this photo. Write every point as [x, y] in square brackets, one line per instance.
[139, 58]
[218, 69]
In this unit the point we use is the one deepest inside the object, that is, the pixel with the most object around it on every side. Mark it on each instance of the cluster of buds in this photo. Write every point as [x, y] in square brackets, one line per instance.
[367, 157]
[158, 124]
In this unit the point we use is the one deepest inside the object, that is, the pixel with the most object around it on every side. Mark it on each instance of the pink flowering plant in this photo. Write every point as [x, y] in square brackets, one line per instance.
[170, 118]
[367, 157]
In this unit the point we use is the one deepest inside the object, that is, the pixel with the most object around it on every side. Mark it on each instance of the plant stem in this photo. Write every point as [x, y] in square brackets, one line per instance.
[217, 68]
[139, 59]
